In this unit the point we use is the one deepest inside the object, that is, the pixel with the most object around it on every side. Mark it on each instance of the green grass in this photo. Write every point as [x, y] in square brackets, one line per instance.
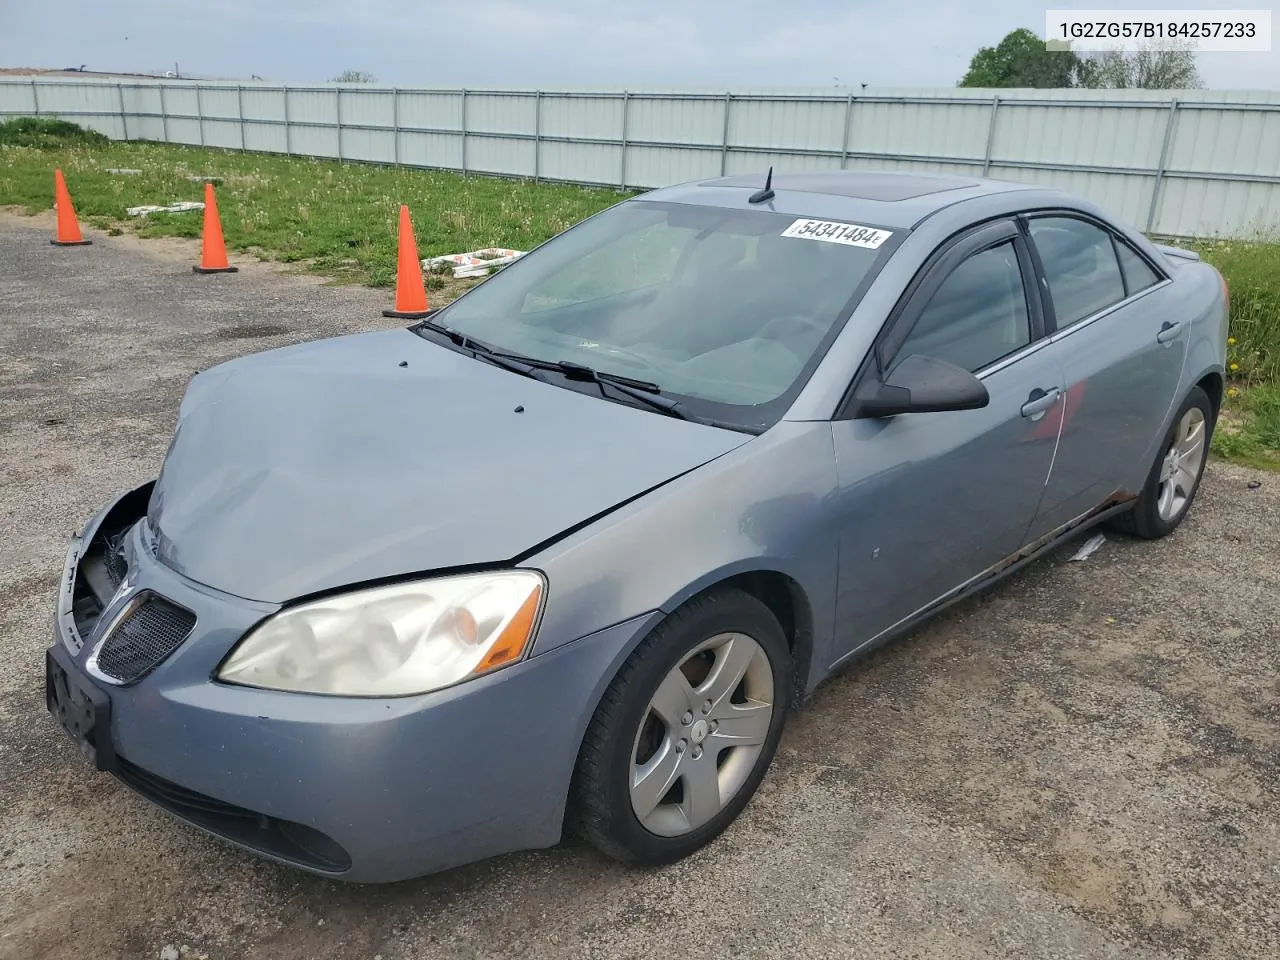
[1252, 271]
[1249, 432]
[338, 218]
[47, 133]
[1249, 429]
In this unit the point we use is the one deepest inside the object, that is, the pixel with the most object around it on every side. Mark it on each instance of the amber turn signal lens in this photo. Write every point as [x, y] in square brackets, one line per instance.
[511, 643]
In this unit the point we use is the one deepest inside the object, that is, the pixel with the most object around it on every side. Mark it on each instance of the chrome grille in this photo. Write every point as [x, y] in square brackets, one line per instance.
[148, 633]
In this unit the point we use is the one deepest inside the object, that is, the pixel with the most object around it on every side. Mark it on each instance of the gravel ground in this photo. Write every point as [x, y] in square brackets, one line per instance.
[1082, 763]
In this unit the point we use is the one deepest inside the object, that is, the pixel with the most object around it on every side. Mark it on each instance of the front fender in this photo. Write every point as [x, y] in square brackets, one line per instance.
[762, 507]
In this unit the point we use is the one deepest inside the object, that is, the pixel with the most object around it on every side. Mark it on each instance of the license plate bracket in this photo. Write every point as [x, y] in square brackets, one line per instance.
[81, 709]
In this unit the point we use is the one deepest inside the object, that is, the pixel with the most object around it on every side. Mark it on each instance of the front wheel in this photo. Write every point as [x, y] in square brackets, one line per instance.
[686, 731]
[1175, 476]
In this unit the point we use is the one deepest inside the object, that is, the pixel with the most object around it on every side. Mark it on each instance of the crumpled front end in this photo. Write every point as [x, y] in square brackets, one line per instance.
[96, 566]
[363, 789]
[314, 467]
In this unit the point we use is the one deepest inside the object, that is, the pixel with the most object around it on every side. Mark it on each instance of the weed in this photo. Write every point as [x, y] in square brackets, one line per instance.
[337, 218]
[340, 219]
[1252, 271]
[47, 133]
[1248, 431]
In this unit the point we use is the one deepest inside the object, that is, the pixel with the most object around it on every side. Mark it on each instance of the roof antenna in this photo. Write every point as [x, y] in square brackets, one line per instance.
[760, 196]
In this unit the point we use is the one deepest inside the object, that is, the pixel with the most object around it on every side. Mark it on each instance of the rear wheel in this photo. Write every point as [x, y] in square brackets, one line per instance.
[686, 731]
[1175, 476]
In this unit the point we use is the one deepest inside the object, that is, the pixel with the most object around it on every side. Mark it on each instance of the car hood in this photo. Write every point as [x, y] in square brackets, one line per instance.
[376, 455]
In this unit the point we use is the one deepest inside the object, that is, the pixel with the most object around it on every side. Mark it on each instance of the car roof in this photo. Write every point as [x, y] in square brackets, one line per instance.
[880, 198]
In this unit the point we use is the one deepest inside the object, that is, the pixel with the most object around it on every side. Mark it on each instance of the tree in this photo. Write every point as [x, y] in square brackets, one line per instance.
[1105, 70]
[1021, 59]
[1149, 68]
[354, 76]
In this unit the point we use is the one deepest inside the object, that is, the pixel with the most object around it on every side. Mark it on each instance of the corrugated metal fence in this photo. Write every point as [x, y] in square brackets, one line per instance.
[1199, 163]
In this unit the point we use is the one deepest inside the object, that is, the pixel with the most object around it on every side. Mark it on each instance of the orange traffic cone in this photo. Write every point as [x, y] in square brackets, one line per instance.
[411, 292]
[68, 234]
[213, 251]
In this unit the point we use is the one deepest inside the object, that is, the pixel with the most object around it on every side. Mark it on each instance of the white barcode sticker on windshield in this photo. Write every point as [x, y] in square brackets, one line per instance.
[847, 233]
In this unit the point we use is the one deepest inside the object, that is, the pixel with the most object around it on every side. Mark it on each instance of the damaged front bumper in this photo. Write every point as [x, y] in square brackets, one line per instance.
[362, 789]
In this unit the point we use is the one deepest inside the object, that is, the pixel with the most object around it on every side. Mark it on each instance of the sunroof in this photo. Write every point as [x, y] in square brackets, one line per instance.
[885, 187]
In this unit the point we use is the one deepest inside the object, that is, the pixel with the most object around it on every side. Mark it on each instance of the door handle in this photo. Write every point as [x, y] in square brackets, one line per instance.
[1168, 330]
[1039, 402]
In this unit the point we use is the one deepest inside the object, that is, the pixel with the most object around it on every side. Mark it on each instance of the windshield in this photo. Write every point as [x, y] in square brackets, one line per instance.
[726, 310]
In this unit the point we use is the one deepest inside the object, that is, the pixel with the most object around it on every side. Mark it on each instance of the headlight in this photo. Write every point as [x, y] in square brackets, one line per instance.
[393, 641]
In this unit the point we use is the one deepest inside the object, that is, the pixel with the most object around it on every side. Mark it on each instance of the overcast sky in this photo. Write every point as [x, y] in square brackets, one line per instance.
[535, 43]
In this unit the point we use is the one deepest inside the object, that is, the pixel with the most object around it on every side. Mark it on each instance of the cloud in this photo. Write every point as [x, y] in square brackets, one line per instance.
[537, 43]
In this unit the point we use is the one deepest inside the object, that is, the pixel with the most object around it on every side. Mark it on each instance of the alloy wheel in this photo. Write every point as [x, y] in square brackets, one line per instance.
[701, 734]
[1180, 469]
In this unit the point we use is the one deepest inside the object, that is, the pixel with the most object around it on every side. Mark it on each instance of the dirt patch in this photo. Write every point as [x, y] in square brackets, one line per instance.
[1083, 763]
[252, 331]
[166, 249]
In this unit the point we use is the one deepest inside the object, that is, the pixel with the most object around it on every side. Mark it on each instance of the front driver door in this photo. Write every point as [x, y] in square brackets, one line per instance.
[929, 501]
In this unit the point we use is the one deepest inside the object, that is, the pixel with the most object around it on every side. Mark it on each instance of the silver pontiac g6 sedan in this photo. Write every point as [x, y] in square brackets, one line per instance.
[563, 554]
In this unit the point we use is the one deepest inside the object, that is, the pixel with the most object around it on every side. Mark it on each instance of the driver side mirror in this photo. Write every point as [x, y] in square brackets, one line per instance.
[920, 385]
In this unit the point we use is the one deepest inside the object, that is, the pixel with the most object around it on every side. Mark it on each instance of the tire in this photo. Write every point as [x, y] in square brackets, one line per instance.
[628, 737]
[1151, 518]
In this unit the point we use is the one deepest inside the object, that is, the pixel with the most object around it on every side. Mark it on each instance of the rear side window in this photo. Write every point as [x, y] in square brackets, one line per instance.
[1080, 265]
[978, 314]
[1138, 274]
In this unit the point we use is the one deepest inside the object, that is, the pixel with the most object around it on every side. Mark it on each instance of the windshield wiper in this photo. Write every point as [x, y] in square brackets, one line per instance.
[461, 339]
[645, 391]
[514, 364]
[578, 371]
[482, 351]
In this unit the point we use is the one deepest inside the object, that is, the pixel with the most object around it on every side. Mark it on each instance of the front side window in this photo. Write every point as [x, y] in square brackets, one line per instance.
[978, 315]
[1079, 264]
[716, 306]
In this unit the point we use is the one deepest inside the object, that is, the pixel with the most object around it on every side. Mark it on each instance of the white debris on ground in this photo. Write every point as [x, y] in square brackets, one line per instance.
[170, 952]
[1090, 547]
[182, 207]
[203, 178]
[128, 170]
[477, 263]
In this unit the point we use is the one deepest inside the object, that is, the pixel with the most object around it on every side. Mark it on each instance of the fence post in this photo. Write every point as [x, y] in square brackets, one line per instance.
[288, 132]
[1164, 160]
[626, 110]
[848, 130]
[464, 131]
[200, 114]
[164, 116]
[35, 96]
[724, 136]
[395, 122]
[537, 135]
[338, 106]
[124, 122]
[991, 135]
[240, 112]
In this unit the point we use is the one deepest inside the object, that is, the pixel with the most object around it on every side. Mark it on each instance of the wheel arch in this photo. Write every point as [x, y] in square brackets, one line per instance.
[1213, 384]
[786, 599]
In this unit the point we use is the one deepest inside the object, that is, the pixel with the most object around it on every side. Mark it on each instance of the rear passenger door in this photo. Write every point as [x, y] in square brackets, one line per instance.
[929, 501]
[1122, 352]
